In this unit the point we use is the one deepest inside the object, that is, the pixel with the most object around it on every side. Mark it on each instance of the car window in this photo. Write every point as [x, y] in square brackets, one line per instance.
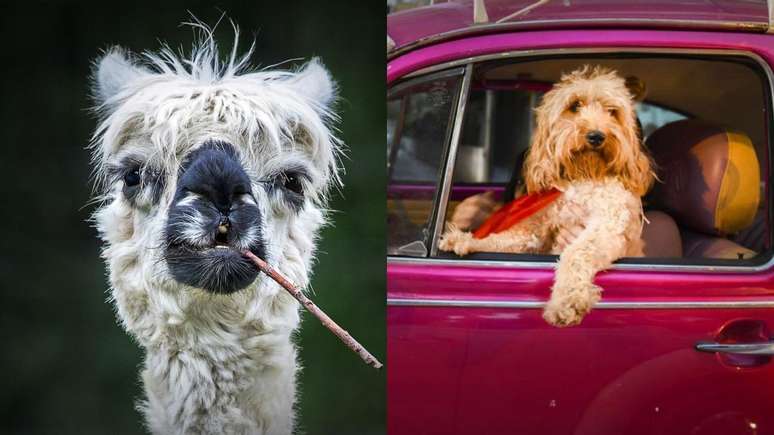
[499, 121]
[418, 122]
[498, 125]
[653, 116]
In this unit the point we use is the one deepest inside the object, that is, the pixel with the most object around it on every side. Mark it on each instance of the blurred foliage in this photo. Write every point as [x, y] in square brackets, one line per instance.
[67, 366]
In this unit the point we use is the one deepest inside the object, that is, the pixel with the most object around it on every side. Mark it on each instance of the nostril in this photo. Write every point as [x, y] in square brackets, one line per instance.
[595, 138]
[221, 237]
[223, 225]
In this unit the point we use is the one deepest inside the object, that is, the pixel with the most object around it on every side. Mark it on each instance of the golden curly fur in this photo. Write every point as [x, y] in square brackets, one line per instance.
[559, 152]
[586, 144]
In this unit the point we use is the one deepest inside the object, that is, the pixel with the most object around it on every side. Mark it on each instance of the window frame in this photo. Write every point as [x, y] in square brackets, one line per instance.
[758, 264]
[459, 100]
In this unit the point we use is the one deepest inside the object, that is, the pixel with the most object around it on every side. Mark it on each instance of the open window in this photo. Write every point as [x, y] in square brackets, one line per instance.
[704, 118]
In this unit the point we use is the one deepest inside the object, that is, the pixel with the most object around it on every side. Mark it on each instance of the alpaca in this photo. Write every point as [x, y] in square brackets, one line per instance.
[196, 160]
[587, 165]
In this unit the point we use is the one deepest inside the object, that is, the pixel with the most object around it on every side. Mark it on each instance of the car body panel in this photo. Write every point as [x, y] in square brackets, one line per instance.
[523, 43]
[469, 351]
[446, 20]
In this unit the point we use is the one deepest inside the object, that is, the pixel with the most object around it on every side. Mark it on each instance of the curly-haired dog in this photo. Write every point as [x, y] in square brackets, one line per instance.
[586, 146]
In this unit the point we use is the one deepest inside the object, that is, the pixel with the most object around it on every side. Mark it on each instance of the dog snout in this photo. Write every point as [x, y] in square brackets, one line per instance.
[595, 138]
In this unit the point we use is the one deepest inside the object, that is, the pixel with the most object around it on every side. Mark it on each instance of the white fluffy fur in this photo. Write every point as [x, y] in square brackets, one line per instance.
[214, 363]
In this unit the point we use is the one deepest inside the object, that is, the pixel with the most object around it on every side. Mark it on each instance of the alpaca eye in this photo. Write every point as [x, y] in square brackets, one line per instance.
[575, 106]
[292, 183]
[132, 178]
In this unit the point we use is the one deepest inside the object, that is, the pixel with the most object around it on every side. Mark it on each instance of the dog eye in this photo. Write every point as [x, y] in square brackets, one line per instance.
[612, 112]
[574, 106]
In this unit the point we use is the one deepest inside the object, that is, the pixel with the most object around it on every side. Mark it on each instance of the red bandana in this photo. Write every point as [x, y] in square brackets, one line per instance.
[516, 211]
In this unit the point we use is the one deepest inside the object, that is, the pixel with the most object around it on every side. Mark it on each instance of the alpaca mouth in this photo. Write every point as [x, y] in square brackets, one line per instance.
[211, 220]
[219, 268]
[221, 241]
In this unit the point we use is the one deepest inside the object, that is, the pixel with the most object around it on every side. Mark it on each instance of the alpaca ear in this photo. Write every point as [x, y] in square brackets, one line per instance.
[113, 72]
[314, 81]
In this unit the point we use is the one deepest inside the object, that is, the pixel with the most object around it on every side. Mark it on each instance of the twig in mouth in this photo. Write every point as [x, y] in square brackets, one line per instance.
[314, 309]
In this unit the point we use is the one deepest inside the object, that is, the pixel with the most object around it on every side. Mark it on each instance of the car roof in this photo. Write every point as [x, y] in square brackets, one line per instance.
[454, 18]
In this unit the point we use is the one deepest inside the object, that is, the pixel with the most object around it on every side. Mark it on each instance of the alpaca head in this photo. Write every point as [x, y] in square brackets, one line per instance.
[197, 160]
[587, 129]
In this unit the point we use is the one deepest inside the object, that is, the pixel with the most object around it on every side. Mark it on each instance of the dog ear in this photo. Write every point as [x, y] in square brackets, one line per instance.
[540, 167]
[314, 81]
[643, 172]
[112, 73]
[638, 168]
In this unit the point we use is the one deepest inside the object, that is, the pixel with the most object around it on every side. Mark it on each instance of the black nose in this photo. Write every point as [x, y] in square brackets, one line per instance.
[595, 138]
[214, 172]
[213, 217]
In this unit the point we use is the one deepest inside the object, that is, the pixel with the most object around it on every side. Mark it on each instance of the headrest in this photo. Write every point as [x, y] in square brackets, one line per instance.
[710, 178]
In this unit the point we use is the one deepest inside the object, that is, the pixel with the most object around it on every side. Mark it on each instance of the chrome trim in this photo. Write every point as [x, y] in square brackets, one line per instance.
[443, 198]
[603, 305]
[770, 5]
[703, 268]
[764, 348]
[546, 265]
[590, 24]
[480, 16]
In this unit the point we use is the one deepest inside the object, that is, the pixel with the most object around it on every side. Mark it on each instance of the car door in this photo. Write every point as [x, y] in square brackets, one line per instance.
[670, 349]
[484, 361]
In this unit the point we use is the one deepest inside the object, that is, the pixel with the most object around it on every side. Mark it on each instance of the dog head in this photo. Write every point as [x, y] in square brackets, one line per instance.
[587, 130]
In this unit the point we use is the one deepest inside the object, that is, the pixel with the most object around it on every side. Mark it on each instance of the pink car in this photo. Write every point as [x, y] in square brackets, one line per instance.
[681, 341]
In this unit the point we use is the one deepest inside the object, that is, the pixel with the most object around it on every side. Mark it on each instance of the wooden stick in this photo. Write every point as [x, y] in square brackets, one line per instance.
[314, 309]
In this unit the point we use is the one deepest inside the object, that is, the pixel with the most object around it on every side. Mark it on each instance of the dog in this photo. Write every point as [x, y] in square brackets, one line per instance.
[586, 147]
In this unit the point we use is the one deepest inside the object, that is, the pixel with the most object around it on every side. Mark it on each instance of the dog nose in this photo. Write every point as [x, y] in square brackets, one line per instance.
[595, 138]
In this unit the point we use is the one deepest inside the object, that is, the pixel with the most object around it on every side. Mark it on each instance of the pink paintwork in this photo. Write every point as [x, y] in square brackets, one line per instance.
[762, 44]
[503, 370]
[446, 20]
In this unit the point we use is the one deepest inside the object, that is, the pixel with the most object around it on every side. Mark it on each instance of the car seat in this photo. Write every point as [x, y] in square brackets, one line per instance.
[709, 182]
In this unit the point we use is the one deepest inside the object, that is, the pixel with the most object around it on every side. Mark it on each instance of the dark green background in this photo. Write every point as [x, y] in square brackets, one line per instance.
[67, 367]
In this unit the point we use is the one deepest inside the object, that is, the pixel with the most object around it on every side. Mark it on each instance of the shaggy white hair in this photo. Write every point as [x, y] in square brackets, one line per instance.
[215, 363]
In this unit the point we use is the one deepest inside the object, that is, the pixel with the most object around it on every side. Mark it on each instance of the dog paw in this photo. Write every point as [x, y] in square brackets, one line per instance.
[568, 307]
[456, 240]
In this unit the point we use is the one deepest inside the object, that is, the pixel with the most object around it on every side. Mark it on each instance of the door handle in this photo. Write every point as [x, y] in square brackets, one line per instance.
[763, 348]
[741, 343]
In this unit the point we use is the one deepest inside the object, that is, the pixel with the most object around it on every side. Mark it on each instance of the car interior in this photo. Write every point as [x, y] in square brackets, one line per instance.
[704, 119]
